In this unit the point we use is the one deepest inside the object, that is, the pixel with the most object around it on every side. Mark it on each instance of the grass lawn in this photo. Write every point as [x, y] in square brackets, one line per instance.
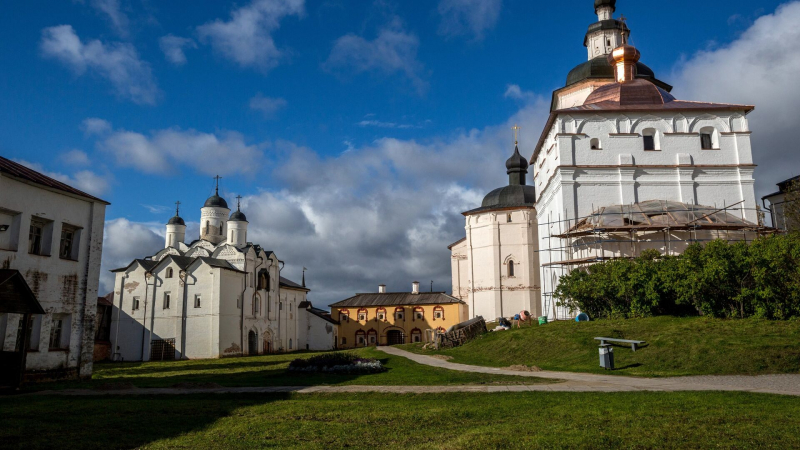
[270, 370]
[677, 346]
[441, 421]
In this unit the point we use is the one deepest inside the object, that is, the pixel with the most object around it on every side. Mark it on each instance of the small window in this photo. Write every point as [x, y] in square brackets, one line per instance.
[381, 316]
[650, 139]
[208, 227]
[34, 333]
[37, 238]
[437, 314]
[169, 273]
[198, 301]
[508, 218]
[256, 305]
[68, 249]
[135, 304]
[415, 338]
[167, 298]
[708, 139]
[344, 341]
[360, 340]
[290, 344]
[705, 142]
[595, 144]
[608, 42]
[419, 315]
[372, 339]
[511, 269]
[59, 332]
[399, 315]
[344, 317]
[362, 316]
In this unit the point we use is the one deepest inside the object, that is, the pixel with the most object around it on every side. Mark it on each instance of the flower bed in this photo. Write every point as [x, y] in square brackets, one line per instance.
[346, 363]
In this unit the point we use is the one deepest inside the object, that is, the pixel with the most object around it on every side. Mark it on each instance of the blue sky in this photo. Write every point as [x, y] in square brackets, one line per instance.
[142, 102]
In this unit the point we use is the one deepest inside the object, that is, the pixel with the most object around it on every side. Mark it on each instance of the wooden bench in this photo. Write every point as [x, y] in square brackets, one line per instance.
[634, 344]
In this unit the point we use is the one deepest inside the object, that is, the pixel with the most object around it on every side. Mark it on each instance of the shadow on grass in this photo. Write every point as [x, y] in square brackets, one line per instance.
[121, 422]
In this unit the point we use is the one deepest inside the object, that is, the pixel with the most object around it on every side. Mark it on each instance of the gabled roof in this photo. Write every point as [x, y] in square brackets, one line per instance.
[287, 283]
[17, 170]
[397, 299]
[15, 295]
[450, 247]
[147, 265]
[183, 262]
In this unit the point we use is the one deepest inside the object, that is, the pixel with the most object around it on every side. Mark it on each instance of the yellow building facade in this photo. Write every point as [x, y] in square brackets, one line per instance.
[368, 320]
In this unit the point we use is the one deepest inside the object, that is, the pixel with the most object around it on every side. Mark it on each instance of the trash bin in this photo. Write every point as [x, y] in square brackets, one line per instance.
[543, 320]
[607, 357]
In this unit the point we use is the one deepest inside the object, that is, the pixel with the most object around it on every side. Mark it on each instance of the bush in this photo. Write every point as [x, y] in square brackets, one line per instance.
[721, 279]
[348, 363]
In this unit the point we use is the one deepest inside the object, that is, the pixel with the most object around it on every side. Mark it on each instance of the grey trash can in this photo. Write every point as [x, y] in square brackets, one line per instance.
[607, 357]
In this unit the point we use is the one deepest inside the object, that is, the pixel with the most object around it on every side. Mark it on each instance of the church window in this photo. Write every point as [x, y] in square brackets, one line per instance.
[511, 269]
[256, 305]
[595, 144]
[208, 227]
[705, 141]
[135, 304]
[197, 301]
[608, 42]
[650, 138]
[708, 139]
[166, 300]
[508, 218]
[169, 272]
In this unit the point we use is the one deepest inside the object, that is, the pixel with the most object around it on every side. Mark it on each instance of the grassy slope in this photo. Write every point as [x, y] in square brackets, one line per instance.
[447, 421]
[677, 346]
[271, 371]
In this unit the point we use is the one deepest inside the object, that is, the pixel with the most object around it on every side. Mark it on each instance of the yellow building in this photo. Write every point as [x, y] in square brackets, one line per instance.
[395, 318]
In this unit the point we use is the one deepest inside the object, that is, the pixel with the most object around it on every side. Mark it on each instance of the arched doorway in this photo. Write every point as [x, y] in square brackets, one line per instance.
[252, 343]
[395, 337]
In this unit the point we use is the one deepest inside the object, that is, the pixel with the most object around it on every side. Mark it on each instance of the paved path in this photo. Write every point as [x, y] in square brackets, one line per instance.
[582, 382]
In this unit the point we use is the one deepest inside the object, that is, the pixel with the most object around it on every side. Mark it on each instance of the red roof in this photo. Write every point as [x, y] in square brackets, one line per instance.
[17, 170]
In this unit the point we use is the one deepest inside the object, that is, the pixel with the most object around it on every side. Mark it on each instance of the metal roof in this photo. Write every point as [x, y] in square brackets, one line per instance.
[397, 299]
[285, 282]
[16, 296]
[21, 172]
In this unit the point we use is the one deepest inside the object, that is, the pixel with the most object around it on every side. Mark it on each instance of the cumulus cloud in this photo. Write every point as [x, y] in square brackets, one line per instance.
[173, 48]
[84, 180]
[75, 158]
[380, 213]
[513, 91]
[162, 151]
[759, 68]
[125, 241]
[94, 126]
[119, 63]
[112, 9]
[468, 17]
[267, 105]
[246, 38]
[394, 50]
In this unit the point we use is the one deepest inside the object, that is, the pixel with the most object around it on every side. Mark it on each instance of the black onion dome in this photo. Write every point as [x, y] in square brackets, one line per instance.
[176, 221]
[600, 3]
[600, 68]
[517, 162]
[215, 201]
[510, 196]
[238, 216]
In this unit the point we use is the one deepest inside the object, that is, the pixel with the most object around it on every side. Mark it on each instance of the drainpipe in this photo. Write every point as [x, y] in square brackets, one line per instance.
[241, 319]
[185, 279]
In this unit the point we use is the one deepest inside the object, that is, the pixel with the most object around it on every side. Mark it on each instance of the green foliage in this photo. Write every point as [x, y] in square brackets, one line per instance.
[720, 279]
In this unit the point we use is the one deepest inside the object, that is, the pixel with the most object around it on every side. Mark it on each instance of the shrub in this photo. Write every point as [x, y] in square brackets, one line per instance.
[720, 279]
[339, 362]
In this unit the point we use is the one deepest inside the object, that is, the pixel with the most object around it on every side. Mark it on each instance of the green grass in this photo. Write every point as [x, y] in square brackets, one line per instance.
[677, 347]
[270, 370]
[440, 421]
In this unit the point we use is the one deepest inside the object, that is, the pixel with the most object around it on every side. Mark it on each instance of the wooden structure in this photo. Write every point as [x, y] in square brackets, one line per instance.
[461, 334]
[16, 298]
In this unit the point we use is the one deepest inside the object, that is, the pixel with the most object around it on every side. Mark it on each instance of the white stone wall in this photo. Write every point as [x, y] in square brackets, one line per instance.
[315, 333]
[65, 288]
[572, 179]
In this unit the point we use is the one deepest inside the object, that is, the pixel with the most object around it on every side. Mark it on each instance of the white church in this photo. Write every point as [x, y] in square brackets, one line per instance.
[218, 296]
[621, 166]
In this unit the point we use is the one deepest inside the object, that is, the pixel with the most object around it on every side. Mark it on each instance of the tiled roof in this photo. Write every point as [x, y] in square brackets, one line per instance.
[397, 299]
[19, 171]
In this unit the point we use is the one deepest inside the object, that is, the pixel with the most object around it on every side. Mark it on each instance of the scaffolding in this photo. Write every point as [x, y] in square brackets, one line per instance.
[625, 231]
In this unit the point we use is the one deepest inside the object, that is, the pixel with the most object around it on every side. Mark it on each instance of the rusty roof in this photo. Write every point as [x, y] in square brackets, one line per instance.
[397, 299]
[17, 170]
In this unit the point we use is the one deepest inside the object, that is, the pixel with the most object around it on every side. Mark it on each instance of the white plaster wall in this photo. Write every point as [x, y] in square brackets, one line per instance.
[63, 287]
[460, 270]
[315, 333]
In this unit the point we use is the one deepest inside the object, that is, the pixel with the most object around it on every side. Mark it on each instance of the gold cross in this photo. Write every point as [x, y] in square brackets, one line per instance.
[516, 129]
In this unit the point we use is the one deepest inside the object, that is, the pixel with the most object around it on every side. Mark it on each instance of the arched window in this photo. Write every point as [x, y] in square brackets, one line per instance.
[222, 229]
[169, 272]
[208, 227]
[651, 141]
[290, 344]
[381, 314]
[438, 313]
[595, 144]
[362, 315]
[344, 315]
[419, 313]
[399, 313]
[416, 335]
[511, 269]
[708, 139]
[508, 218]
[361, 339]
[372, 337]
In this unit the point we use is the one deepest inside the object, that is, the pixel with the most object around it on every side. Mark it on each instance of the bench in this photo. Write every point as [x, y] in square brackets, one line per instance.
[634, 344]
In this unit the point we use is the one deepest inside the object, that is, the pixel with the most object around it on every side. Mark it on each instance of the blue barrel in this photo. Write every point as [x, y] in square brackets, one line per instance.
[582, 318]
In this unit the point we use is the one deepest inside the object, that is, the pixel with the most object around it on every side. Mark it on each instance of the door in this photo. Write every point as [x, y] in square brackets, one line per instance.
[252, 343]
[395, 337]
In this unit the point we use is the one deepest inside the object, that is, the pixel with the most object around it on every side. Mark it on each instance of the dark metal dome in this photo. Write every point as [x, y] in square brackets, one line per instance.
[600, 3]
[215, 201]
[176, 221]
[510, 196]
[600, 68]
[238, 216]
[517, 162]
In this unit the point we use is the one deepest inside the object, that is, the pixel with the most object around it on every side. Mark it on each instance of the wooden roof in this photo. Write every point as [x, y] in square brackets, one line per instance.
[15, 295]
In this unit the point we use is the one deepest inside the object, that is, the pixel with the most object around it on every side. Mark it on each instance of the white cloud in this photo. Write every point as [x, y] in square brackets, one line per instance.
[94, 126]
[123, 242]
[75, 158]
[759, 68]
[475, 17]
[119, 63]
[393, 50]
[246, 38]
[163, 151]
[173, 48]
[381, 213]
[113, 10]
[267, 105]
[84, 180]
